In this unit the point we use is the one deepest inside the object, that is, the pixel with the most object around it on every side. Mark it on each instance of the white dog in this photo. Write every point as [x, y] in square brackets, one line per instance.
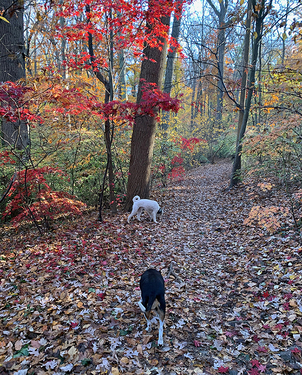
[152, 207]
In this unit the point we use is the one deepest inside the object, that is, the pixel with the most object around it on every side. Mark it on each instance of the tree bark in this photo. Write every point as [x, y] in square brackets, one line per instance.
[109, 128]
[144, 128]
[261, 12]
[12, 68]
[221, 44]
[245, 63]
[170, 64]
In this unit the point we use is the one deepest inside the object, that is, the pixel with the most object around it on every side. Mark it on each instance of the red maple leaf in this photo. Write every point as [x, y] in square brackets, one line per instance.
[262, 349]
[223, 370]
[261, 368]
[254, 362]
[197, 343]
[253, 371]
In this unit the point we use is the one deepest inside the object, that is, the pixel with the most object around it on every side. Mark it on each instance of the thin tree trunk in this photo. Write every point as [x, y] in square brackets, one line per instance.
[221, 44]
[245, 63]
[235, 179]
[108, 134]
[170, 65]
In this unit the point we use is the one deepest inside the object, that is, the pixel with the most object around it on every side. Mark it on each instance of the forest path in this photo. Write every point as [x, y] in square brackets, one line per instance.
[68, 300]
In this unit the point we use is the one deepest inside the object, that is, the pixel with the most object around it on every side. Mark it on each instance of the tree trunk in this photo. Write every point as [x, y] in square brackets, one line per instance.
[144, 128]
[221, 53]
[235, 179]
[109, 128]
[12, 67]
[221, 44]
[170, 65]
[245, 63]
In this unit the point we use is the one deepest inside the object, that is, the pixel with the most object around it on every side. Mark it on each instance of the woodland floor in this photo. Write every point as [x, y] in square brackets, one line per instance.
[68, 300]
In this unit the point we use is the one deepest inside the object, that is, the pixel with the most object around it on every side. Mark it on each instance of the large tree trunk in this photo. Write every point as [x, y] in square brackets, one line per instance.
[144, 128]
[12, 67]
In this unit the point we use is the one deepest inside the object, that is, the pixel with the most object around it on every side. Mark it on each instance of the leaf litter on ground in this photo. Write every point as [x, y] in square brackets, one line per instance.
[233, 292]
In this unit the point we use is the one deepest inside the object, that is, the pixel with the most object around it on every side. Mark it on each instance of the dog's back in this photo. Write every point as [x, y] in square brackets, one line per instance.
[153, 288]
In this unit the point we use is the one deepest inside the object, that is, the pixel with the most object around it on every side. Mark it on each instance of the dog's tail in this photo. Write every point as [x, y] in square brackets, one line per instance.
[136, 198]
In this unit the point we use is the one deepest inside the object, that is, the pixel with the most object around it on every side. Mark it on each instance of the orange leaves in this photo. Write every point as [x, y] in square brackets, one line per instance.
[270, 102]
[270, 218]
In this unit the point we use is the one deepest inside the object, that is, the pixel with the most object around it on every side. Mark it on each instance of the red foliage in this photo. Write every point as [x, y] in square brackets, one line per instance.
[73, 102]
[177, 172]
[13, 104]
[177, 160]
[126, 19]
[189, 144]
[223, 370]
[31, 195]
[5, 158]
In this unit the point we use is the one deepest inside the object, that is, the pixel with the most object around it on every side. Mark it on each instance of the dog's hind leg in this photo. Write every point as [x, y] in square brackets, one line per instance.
[139, 212]
[160, 333]
[161, 327]
[142, 307]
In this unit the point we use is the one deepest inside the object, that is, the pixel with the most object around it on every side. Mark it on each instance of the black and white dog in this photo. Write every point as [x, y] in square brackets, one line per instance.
[152, 207]
[152, 287]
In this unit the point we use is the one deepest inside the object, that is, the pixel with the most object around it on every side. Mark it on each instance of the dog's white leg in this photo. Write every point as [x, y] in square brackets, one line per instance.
[142, 307]
[148, 324]
[160, 332]
[139, 211]
[134, 210]
[154, 216]
[130, 216]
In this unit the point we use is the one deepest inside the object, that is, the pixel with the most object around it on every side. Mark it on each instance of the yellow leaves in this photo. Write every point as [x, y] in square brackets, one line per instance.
[271, 102]
[4, 19]
[265, 186]
[269, 218]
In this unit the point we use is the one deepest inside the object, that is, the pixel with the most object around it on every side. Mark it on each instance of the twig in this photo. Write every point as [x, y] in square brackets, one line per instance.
[9, 187]
[171, 272]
